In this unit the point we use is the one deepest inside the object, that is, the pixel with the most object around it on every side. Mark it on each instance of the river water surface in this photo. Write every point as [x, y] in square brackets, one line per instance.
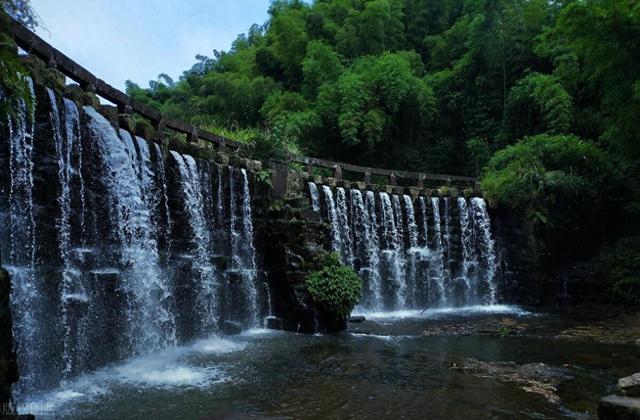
[383, 368]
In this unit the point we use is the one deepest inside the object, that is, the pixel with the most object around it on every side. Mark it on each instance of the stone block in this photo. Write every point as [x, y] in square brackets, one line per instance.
[73, 92]
[361, 185]
[331, 182]
[110, 113]
[90, 99]
[387, 188]
[344, 183]
[255, 165]
[222, 158]
[237, 161]
[317, 179]
[615, 407]
[630, 386]
[54, 79]
[414, 191]
[144, 129]
[398, 190]
[127, 122]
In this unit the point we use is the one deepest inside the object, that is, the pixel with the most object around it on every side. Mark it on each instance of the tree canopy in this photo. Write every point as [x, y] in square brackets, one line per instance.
[410, 84]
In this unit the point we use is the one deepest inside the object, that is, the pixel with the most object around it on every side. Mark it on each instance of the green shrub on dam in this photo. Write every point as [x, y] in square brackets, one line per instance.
[334, 287]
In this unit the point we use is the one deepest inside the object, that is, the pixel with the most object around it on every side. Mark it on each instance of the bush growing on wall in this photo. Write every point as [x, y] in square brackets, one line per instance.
[335, 287]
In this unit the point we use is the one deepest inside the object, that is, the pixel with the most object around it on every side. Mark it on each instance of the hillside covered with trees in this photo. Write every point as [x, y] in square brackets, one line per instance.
[426, 85]
[544, 95]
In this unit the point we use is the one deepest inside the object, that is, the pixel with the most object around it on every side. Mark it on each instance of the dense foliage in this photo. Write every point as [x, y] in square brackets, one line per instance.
[420, 84]
[335, 287]
[620, 266]
[568, 188]
[441, 86]
[13, 86]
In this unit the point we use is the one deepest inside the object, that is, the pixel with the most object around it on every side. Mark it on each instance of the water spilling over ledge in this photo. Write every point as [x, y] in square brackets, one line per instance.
[117, 247]
[412, 252]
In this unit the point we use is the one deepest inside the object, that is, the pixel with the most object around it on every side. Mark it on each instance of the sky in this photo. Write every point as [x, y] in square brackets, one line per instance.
[137, 40]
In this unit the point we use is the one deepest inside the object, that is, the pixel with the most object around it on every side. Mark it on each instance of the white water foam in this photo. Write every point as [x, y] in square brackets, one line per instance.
[439, 312]
[165, 369]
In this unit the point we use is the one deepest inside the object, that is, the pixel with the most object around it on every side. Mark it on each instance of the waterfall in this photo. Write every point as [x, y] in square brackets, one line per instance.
[415, 257]
[73, 292]
[468, 265]
[243, 251]
[18, 243]
[438, 273]
[74, 288]
[412, 226]
[393, 254]
[446, 238]
[206, 276]
[149, 321]
[366, 247]
[413, 252]
[425, 222]
[163, 199]
[315, 199]
[112, 251]
[345, 232]
[338, 216]
[488, 258]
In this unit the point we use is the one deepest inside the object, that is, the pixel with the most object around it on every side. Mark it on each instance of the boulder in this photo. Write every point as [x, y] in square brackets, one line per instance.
[615, 407]
[230, 328]
[630, 386]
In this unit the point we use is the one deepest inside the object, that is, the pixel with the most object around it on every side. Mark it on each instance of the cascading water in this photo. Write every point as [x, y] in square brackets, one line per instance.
[340, 241]
[73, 292]
[393, 252]
[206, 274]
[97, 262]
[19, 241]
[438, 273]
[243, 252]
[162, 201]
[411, 253]
[486, 246]
[366, 246]
[315, 198]
[149, 320]
[468, 266]
[346, 244]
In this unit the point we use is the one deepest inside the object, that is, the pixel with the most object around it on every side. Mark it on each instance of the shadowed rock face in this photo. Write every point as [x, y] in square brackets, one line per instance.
[8, 366]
